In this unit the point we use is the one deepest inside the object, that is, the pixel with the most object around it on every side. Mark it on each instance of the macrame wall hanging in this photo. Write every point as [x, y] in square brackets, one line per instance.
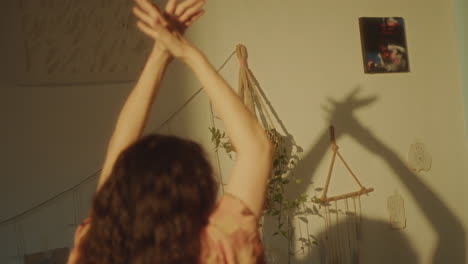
[342, 216]
[249, 92]
[286, 150]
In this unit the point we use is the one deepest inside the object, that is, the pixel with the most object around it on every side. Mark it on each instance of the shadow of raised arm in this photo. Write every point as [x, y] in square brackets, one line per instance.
[341, 114]
[450, 231]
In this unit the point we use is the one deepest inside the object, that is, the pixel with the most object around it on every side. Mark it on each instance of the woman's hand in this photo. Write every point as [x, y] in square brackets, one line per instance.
[183, 14]
[168, 27]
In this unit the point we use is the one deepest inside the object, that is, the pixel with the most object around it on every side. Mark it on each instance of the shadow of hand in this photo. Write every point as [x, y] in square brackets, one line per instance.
[340, 113]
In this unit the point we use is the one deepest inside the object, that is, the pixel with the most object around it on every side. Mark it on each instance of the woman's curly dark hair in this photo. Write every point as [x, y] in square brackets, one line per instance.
[153, 207]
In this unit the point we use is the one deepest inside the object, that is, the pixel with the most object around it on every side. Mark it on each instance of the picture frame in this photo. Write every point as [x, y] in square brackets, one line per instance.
[384, 47]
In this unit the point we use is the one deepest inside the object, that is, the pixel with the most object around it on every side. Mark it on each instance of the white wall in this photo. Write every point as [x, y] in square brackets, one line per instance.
[461, 21]
[302, 52]
[461, 25]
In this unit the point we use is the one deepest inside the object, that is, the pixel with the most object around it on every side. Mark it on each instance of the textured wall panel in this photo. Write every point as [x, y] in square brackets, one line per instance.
[78, 42]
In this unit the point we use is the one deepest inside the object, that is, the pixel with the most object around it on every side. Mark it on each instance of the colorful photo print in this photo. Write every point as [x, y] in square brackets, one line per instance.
[384, 44]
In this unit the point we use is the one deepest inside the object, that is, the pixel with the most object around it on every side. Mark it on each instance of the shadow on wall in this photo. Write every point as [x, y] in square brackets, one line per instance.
[378, 244]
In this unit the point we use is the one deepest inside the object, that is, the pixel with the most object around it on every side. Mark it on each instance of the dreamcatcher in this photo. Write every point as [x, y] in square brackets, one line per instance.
[342, 216]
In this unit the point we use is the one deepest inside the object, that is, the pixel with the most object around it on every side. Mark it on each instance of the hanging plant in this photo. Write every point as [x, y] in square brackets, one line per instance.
[285, 210]
[285, 158]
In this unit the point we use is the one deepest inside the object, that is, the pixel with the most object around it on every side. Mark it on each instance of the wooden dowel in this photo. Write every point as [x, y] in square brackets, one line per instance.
[348, 195]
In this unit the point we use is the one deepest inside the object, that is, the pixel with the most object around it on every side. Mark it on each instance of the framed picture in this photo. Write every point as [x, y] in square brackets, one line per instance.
[384, 46]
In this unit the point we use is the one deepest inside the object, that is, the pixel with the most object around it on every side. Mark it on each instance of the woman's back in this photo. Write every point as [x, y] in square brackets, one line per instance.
[231, 236]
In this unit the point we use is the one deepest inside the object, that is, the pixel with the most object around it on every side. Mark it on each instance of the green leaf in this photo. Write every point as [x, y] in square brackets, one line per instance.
[315, 200]
[315, 209]
[278, 197]
[308, 211]
[303, 219]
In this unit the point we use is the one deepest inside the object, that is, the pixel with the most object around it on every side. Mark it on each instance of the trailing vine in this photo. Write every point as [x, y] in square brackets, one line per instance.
[278, 205]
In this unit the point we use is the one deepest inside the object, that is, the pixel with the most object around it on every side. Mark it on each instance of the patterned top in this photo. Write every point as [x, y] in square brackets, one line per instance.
[231, 237]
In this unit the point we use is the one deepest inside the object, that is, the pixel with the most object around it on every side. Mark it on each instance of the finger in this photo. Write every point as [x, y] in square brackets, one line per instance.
[148, 7]
[148, 30]
[171, 7]
[162, 32]
[158, 32]
[181, 7]
[191, 11]
[194, 18]
[144, 16]
[151, 9]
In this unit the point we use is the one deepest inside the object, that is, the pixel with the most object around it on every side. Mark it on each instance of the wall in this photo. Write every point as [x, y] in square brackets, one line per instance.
[461, 22]
[461, 25]
[307, 57]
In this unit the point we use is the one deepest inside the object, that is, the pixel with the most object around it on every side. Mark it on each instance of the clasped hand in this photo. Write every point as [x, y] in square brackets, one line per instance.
[168, 27]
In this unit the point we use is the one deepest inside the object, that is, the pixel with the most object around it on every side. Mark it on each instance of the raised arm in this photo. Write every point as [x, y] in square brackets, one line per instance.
[253, 161]
[252, 168]
[134, 113]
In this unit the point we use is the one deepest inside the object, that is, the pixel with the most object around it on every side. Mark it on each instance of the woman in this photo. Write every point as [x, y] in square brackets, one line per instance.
[156, 196]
